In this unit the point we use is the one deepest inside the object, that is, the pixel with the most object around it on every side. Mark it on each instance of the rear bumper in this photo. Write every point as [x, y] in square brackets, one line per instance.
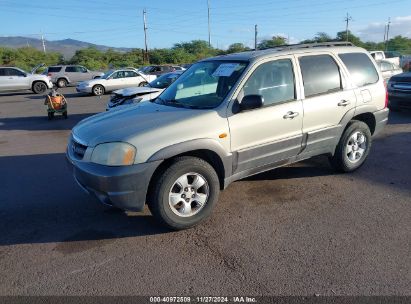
[123, 187]
[381, 119]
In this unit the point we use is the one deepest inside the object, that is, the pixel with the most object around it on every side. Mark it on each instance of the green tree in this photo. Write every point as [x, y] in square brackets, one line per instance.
[342, 36]
[237, 47]
[273, 42]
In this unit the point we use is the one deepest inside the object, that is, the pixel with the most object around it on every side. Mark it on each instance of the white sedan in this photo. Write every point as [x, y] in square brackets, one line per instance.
[138, 94]
[114, 80]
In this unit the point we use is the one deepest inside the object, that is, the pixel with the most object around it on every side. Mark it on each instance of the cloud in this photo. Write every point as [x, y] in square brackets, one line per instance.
[375, 31]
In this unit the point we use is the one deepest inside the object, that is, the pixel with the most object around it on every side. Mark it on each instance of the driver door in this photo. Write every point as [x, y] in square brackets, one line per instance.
[273, 133]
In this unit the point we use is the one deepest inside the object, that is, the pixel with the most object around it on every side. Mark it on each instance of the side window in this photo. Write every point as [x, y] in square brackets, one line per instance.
[13, 72]
[130, 74]
[118, 75]
[361, 68]
[320, 75]
[274, 81]
[2, 72]
[70, 69]
[81, 69]
[385, 66]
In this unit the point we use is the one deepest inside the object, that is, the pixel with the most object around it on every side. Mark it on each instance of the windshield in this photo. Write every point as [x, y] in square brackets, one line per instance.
[204, 85]
[164, 81]
[106, 74]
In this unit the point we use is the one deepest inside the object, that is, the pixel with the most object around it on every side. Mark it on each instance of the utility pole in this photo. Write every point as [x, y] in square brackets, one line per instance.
[145, 57]
[347, 20]
[42, 42]
[388, 32]
[385, 33]
[209, 30]
[255, 37]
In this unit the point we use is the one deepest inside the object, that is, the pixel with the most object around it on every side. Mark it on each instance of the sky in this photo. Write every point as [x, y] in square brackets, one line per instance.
[119, 23]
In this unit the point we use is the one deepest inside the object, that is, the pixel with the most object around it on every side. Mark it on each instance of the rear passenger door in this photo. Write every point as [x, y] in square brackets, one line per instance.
[327, 98]
[72, 74]
[272, 133]
[365, 79]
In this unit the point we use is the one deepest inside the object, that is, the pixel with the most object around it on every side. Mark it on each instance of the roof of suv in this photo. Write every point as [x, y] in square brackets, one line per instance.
[290, 49]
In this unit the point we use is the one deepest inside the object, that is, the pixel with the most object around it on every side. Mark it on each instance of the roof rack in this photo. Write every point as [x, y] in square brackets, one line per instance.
[311, 45]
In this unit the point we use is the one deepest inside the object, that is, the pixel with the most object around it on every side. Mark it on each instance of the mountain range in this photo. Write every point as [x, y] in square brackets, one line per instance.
[66, 46]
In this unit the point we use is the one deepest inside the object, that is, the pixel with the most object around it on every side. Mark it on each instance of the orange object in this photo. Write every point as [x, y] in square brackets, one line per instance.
[222, 135]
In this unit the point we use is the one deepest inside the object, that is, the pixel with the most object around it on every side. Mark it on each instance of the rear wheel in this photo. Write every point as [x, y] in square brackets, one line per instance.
[98, 90]
[39, 87]
[185, 193]
[61, 83]
[353, 148]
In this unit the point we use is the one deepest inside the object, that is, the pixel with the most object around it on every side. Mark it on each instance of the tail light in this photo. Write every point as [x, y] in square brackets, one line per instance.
[386, 94]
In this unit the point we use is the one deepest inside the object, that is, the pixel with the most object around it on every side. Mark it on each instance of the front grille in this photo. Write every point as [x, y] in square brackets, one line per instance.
[78, 149]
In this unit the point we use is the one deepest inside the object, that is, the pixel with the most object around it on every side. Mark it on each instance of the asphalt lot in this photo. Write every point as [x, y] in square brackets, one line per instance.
[298, 230]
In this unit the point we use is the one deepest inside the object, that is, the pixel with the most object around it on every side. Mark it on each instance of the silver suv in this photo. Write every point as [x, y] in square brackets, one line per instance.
[227, 118]
[64, 75]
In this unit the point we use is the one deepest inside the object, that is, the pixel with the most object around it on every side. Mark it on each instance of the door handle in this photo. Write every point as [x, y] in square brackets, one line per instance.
[290, 115]
[344, 103]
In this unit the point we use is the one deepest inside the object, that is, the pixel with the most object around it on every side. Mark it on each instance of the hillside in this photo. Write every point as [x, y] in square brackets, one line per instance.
[66, 46]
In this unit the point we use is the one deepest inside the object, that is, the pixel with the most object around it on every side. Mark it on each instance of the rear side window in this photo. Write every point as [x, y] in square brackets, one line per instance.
[320, 75]
[54, 69]
[361, 68]
[2, 72]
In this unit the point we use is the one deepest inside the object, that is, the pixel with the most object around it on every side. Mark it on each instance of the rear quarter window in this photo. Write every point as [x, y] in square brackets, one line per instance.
[361, 68]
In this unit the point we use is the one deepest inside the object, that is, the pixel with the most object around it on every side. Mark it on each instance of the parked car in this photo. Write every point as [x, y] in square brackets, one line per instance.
[393, 57]
[114, 80]
[388, 69]
[64, 75]
[150, 91]
[227, 118]
[157, 69]
[13, 78]
[399, 91]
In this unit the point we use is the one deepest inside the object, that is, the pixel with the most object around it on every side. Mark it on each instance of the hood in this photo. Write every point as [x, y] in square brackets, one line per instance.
[34, 70]
[403, 77]
[125, 124]
[91, 82]
[136, 91]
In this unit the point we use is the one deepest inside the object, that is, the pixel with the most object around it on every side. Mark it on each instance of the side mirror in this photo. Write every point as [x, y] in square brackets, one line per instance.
[251, 102]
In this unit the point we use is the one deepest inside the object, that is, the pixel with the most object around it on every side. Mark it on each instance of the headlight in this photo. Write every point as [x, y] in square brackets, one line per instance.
[114, 154]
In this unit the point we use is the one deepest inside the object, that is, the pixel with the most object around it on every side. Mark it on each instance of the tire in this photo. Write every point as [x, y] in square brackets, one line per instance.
[142, 84]
[49, 115]
[172, 200]
[98, 90]
[353, 147]
[61, 83]
[65, 114]
[39, 87]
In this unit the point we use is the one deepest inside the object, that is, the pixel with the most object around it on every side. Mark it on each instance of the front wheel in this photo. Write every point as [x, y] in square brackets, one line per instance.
[39, 87]
[185, 193]
[353, 148]
[142, 84]
[98, 90]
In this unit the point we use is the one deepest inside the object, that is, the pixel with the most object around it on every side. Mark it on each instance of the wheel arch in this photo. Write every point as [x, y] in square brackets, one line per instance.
[207, 149]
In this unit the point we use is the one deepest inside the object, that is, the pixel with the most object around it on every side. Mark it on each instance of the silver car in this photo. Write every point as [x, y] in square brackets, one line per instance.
[12, 79]
[114, 80]
[388, 69]
[64, 75]
[227, 118]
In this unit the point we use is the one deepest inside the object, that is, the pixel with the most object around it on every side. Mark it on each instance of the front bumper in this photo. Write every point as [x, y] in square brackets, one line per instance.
[381, 119]
[83, 89]
[123, 187]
